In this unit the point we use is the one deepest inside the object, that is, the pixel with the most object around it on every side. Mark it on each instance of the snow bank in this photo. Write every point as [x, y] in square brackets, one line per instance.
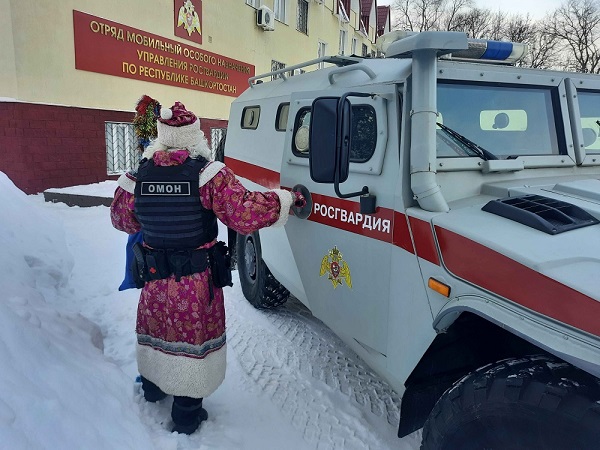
[57, 390]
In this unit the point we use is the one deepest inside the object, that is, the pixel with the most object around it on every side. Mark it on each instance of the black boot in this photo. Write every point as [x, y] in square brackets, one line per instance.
[187, 414]
[152, 393]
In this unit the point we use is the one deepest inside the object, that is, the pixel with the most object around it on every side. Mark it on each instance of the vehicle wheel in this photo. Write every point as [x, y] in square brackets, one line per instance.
[259, 285]
[535, 402]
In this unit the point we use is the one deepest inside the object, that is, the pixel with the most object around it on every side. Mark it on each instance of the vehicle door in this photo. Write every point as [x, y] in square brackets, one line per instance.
[344, 256]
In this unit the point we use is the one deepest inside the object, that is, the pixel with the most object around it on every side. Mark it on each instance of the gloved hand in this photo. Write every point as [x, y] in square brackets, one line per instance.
[299, 201]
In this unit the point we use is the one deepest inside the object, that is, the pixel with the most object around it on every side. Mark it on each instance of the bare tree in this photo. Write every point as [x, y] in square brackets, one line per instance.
[425, 15]
[453, 10]
[483, 23]
[479, 23]
[576, 25]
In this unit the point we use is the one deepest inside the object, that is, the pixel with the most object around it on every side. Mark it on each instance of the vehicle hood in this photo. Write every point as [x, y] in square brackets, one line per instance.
[557, 275]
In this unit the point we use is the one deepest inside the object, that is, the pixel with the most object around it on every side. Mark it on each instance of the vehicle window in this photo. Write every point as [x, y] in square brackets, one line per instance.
[509, 121]
[589, 110]
[282, 117]
[301, 132]
[250, 117]
[363, 133]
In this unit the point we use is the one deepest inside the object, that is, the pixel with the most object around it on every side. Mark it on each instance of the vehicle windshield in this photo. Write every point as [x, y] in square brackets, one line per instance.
[463, 145]
[589, 109]
[508, 121]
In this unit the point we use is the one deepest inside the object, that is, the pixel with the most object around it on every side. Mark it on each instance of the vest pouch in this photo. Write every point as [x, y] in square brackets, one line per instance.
[157, 265]
[220, 265]
[199, 261]
[138, 266]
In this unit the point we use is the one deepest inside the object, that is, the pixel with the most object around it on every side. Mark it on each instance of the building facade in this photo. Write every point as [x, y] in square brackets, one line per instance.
[71, 72]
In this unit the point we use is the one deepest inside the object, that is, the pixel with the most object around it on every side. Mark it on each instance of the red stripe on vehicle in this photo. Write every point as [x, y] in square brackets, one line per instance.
[398, 233]
[345, 215]
[497, 273]
[265, 177]
[402, 233]
[424, 242]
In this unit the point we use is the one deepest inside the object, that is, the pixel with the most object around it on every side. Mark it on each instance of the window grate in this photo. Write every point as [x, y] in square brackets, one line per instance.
[302, 19]
[276, 65]
[121, 147]
[217, 143]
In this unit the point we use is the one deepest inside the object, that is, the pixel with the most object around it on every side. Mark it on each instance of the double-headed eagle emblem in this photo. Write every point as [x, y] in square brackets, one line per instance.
[188, 17]
[336, 268]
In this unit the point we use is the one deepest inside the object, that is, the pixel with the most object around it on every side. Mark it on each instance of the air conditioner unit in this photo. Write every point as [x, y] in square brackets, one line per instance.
[265, 18]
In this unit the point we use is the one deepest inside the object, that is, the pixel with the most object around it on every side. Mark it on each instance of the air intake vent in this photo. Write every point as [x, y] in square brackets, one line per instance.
[542, 213]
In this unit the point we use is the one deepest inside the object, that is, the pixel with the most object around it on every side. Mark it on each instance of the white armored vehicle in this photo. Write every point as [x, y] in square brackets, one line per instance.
[451, 235]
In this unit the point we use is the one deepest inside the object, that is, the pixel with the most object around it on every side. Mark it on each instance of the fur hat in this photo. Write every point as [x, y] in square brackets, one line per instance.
[178, 128]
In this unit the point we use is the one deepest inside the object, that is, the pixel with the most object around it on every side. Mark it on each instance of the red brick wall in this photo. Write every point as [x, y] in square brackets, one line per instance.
[47, 146]
[43, 146]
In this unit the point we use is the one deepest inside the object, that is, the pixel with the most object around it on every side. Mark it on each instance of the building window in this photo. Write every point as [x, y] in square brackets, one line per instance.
[342, 42]
[280, 10]
[344, 10]
[253, 3]
[321, 52]
[276, 65]
[302, 22]
[121, 148]
[365, 50]
[217, 143]
[354, 44]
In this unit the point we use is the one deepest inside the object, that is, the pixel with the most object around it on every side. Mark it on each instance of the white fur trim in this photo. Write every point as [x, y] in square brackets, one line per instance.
[200, 148]
[180, 375]
[166, 113]
[185, 136]
[127, 182]
[286, 199]
[210, 171]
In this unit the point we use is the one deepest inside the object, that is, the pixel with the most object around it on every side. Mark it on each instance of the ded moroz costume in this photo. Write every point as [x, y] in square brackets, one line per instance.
[175, 199]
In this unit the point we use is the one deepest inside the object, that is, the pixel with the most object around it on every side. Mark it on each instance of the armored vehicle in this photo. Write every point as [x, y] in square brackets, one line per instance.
[451, 232]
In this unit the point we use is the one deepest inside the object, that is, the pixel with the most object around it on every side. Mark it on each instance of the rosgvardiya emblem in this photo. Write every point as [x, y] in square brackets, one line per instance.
[188, 17]
[336, 268]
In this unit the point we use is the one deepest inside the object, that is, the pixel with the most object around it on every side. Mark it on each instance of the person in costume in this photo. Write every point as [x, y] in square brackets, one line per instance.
[175, 199]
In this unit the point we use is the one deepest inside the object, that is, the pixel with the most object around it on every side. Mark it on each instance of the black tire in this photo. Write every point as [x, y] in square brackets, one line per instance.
[259, 285]
[530, 403]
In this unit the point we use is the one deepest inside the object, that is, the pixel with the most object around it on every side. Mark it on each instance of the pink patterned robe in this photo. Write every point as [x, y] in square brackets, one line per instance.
[181, 335]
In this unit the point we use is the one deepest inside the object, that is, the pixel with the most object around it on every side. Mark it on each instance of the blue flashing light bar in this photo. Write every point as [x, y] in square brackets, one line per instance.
[482, 50]
[491, 51]
[498, 50]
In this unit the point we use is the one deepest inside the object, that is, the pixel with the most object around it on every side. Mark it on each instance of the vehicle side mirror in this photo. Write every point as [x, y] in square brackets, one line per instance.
[329, 139]
[330, 143]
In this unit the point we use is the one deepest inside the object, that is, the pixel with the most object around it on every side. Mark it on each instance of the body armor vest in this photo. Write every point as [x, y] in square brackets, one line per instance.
[167, 205]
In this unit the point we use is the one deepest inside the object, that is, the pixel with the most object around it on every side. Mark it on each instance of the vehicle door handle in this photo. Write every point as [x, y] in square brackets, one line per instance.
[304, 211]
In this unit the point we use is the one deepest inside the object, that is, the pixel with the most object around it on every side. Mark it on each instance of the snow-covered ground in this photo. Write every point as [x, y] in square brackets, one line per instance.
[68, 361]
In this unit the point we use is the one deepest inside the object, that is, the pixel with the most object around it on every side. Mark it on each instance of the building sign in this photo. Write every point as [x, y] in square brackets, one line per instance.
[188, 19]
[110, 48]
